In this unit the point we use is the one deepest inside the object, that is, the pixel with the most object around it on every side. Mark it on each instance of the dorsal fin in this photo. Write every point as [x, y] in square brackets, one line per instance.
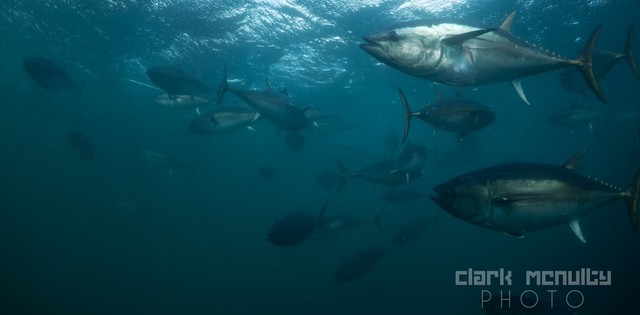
[284, 91]
[506, 24]
[458, 94]
[571, 163]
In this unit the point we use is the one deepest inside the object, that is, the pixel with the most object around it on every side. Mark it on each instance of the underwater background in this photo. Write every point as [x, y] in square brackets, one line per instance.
[117, 234]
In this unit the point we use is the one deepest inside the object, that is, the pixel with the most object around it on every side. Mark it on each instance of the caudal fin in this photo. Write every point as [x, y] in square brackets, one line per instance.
[585, 66]
[345, 175]
[224, 86]
[632, 202]
[407, 115]
[628, 52]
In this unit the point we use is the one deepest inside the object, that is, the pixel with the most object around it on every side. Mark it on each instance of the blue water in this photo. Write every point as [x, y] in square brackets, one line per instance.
[119, 235]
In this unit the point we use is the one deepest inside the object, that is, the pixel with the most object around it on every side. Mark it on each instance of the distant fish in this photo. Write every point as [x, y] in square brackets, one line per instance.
[294, 227]
[325, 124]
[382, 173]
[332, 226]
[411, 160]
[224, 120]
[80, 142]
[576, 115]
[181, 101]
[49, 74]
[274, 106]
[358, 265]
[390, 172]
[177, 81]
[457, 115]
[165, 160]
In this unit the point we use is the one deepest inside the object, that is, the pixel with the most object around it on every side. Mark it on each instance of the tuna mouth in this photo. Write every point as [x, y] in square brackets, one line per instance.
[371, 47]
[441, 202]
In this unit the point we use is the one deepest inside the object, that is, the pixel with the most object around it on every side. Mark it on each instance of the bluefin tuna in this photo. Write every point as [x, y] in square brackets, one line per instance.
[576, 115]
[166, 160]
[224, 120]
[518, 198]
[275, 107]
[295, 227]
[323, 124]
[177, 81]
[358, 265]
[460, 53]
[49, 74]
[81, 144]
[457, 115]
[383, 173]
[181, 101]
[411, 160]
[335, 225]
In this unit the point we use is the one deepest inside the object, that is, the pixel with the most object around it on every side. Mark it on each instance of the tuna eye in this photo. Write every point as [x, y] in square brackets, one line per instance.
[393, 36]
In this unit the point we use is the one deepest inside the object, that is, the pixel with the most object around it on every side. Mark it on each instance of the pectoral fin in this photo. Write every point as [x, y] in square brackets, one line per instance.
[517, 85]
[509, 199]
[575, 227]
[515, 234]
[459, 39]
[256, 117]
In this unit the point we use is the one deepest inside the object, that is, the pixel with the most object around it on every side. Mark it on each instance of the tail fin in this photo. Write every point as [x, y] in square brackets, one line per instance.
[628, 53]
[632, 202]
[407, 115]
[224, 86]
[585, 66]
[345, 175]
[376, 220]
